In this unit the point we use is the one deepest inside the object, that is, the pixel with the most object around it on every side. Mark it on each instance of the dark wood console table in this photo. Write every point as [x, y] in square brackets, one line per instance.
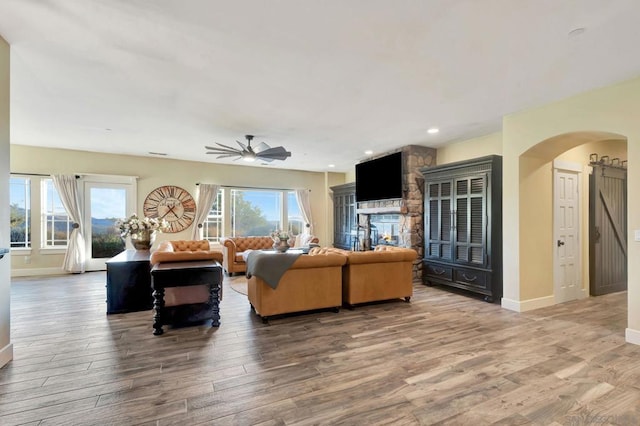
[129, 282]
[181, 274]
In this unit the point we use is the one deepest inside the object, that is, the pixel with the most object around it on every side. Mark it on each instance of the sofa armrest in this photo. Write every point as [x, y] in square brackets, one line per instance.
[229, 250]
[228, 244]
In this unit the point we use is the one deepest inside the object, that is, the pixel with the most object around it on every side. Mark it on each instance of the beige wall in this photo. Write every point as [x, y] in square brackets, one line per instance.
[155, 172]
[471, 148]
[611, 111]
[6, 349]
[350, 176]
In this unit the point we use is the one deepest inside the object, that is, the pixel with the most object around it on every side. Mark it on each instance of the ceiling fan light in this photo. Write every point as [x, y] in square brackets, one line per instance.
[250, 158]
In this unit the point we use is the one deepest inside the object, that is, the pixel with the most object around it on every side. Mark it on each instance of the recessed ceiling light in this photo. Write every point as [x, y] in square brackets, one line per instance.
[368, 152]
[331, 166]
[433, 130]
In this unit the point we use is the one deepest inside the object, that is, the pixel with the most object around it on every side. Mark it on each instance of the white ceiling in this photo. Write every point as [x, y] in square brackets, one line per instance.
[325, 79]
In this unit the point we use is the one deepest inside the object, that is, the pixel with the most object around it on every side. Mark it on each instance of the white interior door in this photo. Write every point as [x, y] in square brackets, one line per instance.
[567, 258]
[106, 199]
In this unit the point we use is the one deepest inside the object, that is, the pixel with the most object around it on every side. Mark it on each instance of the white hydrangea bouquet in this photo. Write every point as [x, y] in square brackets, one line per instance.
[134, 226]
[277, 236]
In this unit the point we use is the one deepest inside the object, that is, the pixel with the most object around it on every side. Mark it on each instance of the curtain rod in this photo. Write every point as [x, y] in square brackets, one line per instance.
[28, 174]
[253, 187]
[37, 174]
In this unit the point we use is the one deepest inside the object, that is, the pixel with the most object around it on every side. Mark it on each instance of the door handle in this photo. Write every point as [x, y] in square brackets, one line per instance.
[560, 243]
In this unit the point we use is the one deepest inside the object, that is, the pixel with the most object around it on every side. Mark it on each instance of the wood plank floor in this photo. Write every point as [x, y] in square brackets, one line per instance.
[442, 359]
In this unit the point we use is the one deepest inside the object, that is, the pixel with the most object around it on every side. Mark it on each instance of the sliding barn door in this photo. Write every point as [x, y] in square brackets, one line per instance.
[607, 230]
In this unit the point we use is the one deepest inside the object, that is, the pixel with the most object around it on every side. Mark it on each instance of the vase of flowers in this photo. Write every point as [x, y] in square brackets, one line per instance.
[280, 241]
[142, 232]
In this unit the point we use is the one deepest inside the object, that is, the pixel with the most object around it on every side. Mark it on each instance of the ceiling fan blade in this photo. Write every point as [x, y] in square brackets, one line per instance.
[224, 151]
[277, 153]
[228, 147]
[244, 147]
[261, 147]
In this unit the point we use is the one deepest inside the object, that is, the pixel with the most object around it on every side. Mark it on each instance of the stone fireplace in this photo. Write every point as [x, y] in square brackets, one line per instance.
[401, 219]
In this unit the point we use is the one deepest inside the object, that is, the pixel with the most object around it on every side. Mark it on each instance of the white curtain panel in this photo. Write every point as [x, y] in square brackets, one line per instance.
[204, 201]
[67, 187]
[303, 196]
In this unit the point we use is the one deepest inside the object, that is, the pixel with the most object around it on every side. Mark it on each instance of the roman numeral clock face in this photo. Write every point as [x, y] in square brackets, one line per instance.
[173, 204]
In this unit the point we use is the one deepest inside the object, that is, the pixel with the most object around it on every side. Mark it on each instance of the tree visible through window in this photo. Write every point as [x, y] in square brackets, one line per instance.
[20, 211]
[253, 212]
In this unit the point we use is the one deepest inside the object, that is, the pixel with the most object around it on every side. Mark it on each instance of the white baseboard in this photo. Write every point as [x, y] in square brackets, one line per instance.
[34, 272]
[528, 305]
[6, 354]
[510, 304]
[632, 336]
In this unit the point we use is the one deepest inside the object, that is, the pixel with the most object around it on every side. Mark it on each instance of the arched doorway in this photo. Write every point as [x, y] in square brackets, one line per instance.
[536, 208]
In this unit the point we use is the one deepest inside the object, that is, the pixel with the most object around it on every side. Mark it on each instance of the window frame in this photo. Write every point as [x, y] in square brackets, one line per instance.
[226, 219]
[215, 217]
[44, 213]
[28, 243]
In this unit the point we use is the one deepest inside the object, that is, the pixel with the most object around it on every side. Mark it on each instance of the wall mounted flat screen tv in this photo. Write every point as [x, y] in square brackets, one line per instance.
[380, 178]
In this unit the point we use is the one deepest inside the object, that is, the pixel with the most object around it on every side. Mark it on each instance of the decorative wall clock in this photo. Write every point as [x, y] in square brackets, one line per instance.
[173, 204]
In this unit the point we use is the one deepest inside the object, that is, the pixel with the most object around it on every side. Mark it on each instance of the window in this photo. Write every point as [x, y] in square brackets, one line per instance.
[20, 211]
[255, 212]
[250, 212]
[56, 225]
[212, 229]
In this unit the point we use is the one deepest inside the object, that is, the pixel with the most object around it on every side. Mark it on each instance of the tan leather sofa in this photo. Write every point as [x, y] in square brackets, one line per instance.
[314, 281]
[233, 248]
[380, 274]
[185, 251]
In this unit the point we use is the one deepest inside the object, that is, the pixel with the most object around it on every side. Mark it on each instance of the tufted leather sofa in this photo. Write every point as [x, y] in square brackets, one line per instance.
[380, 274]
[185, 251]
[314, 281]
[233, 247]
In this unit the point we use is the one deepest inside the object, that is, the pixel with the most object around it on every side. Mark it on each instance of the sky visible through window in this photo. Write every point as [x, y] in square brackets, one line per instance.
[108, 202]
[16, 197]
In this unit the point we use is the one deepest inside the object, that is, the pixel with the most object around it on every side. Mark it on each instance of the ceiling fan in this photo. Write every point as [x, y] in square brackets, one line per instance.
[248, 153]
